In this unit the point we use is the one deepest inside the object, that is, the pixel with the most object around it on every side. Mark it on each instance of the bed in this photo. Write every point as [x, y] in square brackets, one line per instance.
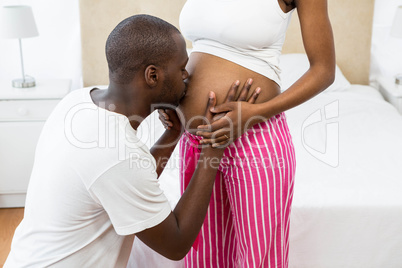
[347, 209]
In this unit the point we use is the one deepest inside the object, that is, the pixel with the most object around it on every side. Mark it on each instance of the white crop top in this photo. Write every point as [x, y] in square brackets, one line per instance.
[250, 33]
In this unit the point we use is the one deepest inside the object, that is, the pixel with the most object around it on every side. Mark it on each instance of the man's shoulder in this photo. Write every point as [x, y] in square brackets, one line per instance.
[73, 99]
[78, 95]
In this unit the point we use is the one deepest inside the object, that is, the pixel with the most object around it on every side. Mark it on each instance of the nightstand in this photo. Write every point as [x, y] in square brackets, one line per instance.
[391, 91]
[23, 112]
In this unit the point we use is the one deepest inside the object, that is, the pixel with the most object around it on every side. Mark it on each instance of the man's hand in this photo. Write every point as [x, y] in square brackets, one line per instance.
[170, 119]
[232, 118]
[164, 146]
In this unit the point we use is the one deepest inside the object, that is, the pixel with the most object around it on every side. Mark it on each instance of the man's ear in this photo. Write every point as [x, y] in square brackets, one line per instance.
[152, 75]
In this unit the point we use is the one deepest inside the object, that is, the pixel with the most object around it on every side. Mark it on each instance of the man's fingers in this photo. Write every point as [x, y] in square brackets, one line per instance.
[255, 95]
[232, 91]
[163, 113]
[166, 124]
[245, 90]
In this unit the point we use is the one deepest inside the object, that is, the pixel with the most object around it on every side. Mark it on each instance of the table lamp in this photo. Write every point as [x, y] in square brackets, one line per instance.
[18, 22]
[396, 31]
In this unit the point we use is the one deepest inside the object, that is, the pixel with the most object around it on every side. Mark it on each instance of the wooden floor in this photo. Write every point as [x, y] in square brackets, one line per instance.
[9, 220]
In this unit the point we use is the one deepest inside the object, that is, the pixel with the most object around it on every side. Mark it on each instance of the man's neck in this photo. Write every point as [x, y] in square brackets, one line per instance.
[124, 101]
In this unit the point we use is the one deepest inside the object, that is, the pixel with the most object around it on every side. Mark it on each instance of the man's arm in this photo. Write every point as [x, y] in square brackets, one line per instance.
[174, 236]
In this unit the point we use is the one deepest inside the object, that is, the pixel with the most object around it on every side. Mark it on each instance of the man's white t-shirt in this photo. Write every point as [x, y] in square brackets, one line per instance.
[93, 186]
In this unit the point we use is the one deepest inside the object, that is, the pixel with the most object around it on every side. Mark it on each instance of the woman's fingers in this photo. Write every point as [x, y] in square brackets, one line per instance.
[219, 137]
[255, 95]
[218, 116]
[215, 142]
[232, 91]
[224, 122]
[222, 132]
[211, 138]
[222, 144]
[210, 104]
[244, 91]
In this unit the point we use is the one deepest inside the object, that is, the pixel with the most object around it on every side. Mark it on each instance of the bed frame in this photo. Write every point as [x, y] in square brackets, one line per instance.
[351, 22]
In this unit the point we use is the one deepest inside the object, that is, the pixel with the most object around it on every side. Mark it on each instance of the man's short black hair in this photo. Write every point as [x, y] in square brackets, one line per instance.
[137, 42]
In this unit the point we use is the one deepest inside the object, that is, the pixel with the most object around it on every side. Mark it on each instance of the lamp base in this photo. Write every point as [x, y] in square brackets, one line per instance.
[24, 83]
[398, 79]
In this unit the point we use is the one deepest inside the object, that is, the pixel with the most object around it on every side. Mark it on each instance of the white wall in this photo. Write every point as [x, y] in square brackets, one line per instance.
[56, 52]
[386, 51]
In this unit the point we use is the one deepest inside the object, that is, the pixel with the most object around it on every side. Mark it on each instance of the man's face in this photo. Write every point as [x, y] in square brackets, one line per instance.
[174, 87]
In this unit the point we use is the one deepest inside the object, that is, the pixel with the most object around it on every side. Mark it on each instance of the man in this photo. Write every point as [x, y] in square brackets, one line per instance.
[94, 184]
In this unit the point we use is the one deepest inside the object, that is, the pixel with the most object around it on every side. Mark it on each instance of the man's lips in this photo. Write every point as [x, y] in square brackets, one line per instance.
[184, 94]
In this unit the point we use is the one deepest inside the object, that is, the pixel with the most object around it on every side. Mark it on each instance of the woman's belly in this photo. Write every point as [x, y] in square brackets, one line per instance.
[210, 73]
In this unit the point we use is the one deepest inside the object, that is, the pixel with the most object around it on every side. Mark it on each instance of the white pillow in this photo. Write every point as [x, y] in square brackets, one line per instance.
[293, 66]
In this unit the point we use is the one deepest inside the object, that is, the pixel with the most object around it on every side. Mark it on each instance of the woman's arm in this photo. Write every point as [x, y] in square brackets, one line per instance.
[319, 45]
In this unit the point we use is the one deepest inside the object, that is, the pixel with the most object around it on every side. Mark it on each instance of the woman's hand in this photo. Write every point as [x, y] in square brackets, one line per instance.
[232, 118]
[208, 117]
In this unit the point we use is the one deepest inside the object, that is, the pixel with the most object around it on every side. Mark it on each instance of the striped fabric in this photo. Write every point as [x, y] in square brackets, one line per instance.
[247, 223]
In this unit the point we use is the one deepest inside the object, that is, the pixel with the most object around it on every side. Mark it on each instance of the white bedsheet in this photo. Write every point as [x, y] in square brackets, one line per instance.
[349, 215]
[347, 206]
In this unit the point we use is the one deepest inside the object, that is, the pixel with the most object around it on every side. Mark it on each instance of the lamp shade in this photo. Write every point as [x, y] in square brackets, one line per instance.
[17, 22]
[396, 30]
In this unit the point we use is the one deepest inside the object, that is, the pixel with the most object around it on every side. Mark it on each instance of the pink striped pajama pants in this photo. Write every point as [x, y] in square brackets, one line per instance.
[247, 223]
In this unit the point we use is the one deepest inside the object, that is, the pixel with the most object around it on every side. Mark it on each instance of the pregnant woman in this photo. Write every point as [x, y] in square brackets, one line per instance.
[247, 224]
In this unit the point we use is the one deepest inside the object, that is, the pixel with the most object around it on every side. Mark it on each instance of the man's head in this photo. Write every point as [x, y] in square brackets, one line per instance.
[150, 47]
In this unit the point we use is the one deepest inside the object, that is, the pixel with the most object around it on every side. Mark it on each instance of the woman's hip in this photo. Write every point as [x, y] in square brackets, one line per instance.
[264, 145]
